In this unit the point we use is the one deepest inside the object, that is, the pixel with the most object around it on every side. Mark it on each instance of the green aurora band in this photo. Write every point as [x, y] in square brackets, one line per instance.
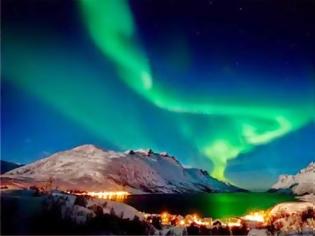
[112, 28]
[62, 76]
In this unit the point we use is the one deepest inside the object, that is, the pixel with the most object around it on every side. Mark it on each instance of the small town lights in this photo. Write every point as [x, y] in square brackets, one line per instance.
[231, 222]
[120, 195]
[169, 219]
[252, 219]
[165, 217]
[258, 216]
[164, 214]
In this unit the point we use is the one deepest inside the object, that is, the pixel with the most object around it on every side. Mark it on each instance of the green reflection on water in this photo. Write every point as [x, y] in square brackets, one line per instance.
[222, 205]
[215, 205]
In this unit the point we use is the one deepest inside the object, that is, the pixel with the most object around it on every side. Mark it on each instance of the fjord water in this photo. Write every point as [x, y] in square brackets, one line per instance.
[215, 205]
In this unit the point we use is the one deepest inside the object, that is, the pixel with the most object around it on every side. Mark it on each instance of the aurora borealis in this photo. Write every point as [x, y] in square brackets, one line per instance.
[213, 83]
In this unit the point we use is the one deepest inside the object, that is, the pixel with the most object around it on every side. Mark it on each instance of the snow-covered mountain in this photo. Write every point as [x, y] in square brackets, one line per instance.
[90, 168]
[301, 183]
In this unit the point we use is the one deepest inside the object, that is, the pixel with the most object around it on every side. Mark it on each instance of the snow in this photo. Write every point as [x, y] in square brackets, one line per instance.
[87, 148]
[301, 183]
[291, 208]
[293, 218]
[90, 168]
[123, 210]
[307, 198]
[258, 232]
[80, 214]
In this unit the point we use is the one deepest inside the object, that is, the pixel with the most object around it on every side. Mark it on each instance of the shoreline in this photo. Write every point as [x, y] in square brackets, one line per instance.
[83, 209]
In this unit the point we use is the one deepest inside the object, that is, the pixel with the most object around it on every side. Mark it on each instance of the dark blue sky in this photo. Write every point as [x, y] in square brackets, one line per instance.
[242, 72]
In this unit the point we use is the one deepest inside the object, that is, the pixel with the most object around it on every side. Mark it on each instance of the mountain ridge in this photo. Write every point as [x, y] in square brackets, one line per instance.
[301, 183]
[7, 166]
[92, 168]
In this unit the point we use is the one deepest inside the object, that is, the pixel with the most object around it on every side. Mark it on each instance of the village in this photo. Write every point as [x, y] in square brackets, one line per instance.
[82, 209]
[285, 217]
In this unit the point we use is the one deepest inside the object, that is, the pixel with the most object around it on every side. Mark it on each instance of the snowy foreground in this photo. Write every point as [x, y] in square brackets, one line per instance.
[72, 214]
[88, 168]
[287, 218]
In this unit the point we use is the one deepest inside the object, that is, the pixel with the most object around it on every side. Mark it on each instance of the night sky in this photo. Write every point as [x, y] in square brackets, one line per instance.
[227, 86]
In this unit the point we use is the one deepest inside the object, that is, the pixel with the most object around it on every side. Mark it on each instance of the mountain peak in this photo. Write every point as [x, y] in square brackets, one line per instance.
[309, 168]
[88, 148]
[146, 152]
[301, 183]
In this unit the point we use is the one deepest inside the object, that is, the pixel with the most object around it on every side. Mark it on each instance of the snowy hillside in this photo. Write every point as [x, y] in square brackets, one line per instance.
[90, 168]
[80, 214]
[301, 183]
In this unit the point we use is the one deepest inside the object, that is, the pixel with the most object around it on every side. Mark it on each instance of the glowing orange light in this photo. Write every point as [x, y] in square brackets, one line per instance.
[164, 214]
[234, 223]
[120, 195]
[165, 218]
[258, 216]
